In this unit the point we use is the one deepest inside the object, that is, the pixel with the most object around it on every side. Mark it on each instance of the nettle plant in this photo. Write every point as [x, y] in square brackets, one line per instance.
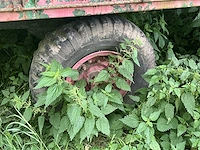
[83, 113]
[167, 117]
[164, 116]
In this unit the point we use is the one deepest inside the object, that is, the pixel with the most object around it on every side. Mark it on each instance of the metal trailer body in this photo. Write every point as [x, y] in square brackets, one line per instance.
[15, 10]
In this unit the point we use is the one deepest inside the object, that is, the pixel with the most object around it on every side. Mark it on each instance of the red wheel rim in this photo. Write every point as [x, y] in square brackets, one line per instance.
[90, 65]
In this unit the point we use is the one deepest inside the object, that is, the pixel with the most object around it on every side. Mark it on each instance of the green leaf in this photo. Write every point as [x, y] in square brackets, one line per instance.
[74, 129]
[28, 113]
[55, 120]
[41, 120]
[151, 72]
[95, 110]
[67, 126]
[197, 134]
[102, 99]
[108, 109]
[47, 66]
[174, 123]
[18, 103]
[55, 66]
[51, 145]
[115, 123]
[119, 106]
[193, 9]
[134, 98]
[154, 116]
[150, 101]
[181, 129]
[83, 134]
[62, 126]
[25, 95]
[192, 64]
[5, 93]
[189, 102]
[48, 74]
[163, 125]
[174, 139]
[154, 145]
[129, 42]
[53, 93]
[128, 65]
[135, 57]
[131, 120]
[5, 101]
[84, 104]
[177, 92]
[175, 61]
[169, 111]
[123, 45]
[196, 123]
[154, 80]
[194, 141]
[12, 89]
[102, 125]
[95, 132]
[73, 112]
[125, 73]
[45, 82]
[125, 147]
[68, 72]
[122, 84]
[184, 76]
[196, 23]
[41, 100]
[196, 115]
[181, 146]
[162, 95]
[161, 42]
[156, 35]
[89, 126]
[102, 76]
[141, 127]
[80, 83]
[108, 88]
[77, 126]
[170, 52]
[181, 119]
[116, 97]
[165, 145]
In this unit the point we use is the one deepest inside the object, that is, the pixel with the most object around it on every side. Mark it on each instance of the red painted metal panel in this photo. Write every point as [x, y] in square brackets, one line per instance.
[11, 10]
[117, 8]
[5, 3]
[61, 2]
[10, 5]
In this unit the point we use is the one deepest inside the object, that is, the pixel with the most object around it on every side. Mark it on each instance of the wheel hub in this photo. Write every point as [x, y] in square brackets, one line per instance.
[90, 66]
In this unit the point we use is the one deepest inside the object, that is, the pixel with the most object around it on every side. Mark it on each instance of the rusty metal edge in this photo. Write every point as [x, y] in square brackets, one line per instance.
[83, 5]
[135, 7]
[95, 4]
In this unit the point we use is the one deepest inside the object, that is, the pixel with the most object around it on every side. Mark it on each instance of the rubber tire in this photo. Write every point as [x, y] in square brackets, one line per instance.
[73, 41]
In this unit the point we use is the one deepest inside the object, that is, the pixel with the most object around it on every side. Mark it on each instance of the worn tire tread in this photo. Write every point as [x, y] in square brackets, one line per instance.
[73, 38]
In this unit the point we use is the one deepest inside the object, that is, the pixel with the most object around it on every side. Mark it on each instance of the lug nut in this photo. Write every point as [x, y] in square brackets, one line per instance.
[84, 67]
[90, 61]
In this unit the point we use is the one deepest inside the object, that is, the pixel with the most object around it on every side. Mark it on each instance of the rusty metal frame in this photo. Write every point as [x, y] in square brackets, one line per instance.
[32, 9]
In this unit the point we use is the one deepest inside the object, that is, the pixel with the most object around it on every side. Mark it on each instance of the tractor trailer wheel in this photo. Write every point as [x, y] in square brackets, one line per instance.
[88, 39]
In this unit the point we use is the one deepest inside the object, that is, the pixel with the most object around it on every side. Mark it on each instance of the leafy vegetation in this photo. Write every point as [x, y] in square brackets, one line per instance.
[84, 114]
[163, 116]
